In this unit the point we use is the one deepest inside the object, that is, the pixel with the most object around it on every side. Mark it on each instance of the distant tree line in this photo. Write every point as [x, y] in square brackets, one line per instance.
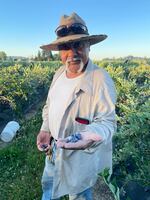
[46, 56]
[41, 56]
[3, 55]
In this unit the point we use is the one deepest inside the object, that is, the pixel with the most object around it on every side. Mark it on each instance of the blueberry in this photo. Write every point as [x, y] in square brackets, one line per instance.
[44, 146]
[78, 136]
[68, 139]
[74, 138]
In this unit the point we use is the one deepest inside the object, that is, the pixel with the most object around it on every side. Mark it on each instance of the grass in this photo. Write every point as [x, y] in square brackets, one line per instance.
[21, 164]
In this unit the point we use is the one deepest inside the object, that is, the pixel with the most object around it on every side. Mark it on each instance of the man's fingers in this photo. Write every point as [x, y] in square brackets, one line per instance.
[43, 147]
[91, 136]
[60, 143]
[80, 145]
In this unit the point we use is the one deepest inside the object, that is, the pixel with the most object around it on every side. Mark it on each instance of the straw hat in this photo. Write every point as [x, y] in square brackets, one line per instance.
[66, 23]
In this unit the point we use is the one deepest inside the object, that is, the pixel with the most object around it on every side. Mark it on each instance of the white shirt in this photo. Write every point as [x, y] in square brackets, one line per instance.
[59, 96]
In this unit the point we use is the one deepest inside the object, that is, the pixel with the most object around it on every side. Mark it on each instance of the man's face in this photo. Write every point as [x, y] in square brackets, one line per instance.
[74, 56]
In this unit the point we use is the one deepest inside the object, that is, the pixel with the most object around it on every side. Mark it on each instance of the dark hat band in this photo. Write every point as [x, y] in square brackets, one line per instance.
[73, 29]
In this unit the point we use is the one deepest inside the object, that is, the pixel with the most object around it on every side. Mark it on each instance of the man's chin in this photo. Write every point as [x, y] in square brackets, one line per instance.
[74, 66]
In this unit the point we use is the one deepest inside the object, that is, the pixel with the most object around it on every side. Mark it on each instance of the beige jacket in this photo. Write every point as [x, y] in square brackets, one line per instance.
[94, 99]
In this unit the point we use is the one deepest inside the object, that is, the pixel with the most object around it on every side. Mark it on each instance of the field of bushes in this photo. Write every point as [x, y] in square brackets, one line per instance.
[131, 157]
[24, 84]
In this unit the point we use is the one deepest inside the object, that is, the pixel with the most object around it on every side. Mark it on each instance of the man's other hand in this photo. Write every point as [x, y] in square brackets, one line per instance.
[43, 141]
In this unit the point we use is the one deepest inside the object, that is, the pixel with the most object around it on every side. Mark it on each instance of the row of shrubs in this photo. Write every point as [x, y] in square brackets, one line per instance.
[22, 85]
[131, 143]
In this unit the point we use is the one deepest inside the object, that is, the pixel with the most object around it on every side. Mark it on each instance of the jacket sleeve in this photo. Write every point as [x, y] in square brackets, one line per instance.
[45, 126]
[104, 122]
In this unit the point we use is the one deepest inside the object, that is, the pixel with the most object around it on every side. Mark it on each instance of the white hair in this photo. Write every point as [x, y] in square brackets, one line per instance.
[87, 49]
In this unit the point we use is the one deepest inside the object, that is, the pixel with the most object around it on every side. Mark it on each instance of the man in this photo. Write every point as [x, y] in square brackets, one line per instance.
[79, 116]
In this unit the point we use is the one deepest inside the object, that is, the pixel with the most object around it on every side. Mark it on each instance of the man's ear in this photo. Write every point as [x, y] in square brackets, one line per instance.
[89, 46]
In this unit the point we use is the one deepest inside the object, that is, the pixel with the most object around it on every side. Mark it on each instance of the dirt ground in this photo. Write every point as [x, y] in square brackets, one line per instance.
[101, 191]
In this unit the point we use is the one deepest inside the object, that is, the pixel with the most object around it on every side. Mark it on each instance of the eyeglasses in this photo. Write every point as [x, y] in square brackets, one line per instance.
[75, 28]
[75, 45]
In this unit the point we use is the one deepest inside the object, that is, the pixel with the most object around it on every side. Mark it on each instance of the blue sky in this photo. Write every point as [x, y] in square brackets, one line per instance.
[27, 24]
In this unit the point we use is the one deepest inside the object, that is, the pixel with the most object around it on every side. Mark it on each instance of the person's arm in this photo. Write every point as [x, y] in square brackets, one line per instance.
[45, 126]
[43, 137]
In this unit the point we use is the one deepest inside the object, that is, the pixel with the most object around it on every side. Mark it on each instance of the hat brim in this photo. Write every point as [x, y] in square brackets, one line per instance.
[92, 39]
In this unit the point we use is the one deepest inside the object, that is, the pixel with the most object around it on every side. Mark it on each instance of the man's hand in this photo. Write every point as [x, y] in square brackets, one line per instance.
[87, 139]
[43, 140]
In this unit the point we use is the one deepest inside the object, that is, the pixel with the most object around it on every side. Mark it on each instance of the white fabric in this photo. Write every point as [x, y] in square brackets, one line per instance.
[59, 96]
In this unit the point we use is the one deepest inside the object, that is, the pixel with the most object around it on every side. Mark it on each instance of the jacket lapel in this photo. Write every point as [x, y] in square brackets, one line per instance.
[85, 85]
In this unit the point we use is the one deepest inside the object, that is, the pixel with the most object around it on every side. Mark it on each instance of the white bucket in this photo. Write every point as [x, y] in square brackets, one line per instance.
[9, 131]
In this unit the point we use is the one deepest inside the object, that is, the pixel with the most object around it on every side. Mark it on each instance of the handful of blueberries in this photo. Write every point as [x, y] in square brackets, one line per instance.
[74, 138]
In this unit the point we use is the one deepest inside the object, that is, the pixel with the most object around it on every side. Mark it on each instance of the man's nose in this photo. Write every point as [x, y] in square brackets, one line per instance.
[73, 50]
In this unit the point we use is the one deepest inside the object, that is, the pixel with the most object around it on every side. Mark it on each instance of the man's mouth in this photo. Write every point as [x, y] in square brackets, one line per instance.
[74, 65]
[74, 60]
